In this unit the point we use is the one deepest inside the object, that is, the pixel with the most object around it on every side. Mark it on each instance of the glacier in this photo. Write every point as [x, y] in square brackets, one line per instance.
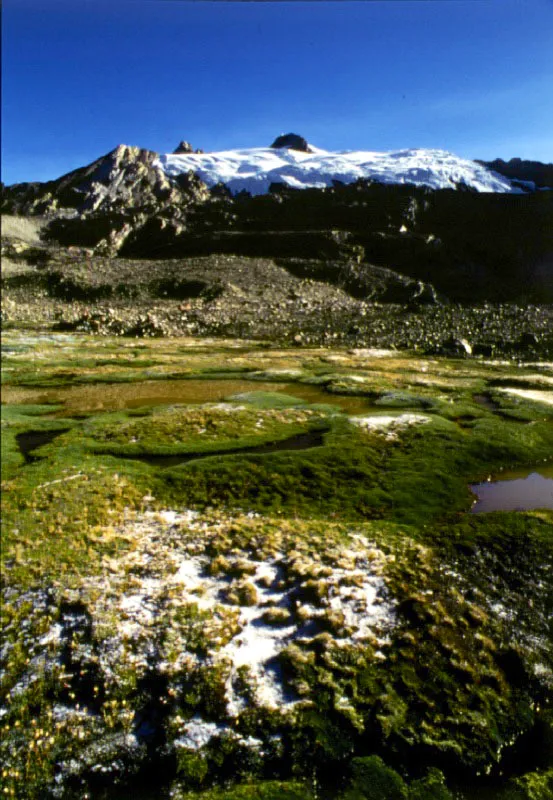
[254, 169]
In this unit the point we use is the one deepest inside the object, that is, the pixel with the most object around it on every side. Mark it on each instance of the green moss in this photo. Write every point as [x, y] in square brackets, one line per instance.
[397, 399]
[200, 429]
[431, 787]
[192, 768]
[242, 593]
[20, 419]
[266, 790]
[371, 779]
[533, 786]
[266, 399]
[277, 616]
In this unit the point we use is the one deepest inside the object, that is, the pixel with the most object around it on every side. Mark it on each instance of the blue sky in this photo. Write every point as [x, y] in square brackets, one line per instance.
[80, 76]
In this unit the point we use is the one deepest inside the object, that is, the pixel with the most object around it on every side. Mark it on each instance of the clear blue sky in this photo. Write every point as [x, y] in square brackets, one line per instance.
[81, 76]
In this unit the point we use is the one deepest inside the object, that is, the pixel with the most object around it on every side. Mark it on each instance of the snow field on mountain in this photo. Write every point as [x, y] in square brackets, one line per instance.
[255, 169]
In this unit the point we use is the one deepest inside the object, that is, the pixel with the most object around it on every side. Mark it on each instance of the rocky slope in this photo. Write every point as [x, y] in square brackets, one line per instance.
[123, 180]
[121, 239]
[259, 298]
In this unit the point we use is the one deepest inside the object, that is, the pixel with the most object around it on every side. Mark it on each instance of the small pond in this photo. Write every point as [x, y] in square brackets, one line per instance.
[522, 490]
[101, 397]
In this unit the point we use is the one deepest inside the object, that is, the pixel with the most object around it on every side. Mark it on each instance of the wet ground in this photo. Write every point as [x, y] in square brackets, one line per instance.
[117, 396]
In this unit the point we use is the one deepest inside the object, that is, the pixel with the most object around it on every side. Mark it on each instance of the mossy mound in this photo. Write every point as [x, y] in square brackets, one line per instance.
[266, 399]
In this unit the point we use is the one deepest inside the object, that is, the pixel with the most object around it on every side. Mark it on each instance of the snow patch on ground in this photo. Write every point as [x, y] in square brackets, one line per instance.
[198, 732]
[532, 394]
[372, 352]
[389, 424]
[165, 572]
[166, 603]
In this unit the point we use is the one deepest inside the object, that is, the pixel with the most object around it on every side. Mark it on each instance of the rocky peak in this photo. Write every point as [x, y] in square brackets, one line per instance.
[291, 141]
[185, 147]
[101, 204]
[126, 179]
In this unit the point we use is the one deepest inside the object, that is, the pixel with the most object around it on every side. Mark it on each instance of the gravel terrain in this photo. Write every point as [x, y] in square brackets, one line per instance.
[218, 295]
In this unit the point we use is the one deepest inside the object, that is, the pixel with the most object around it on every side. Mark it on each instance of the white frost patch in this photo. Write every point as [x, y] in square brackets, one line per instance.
[142, 609]
[229, 407]
[532, 394]
[199, 588]
[258, 643]
[355, 593]
[372, 352]
[278, 372]
[543, 671]
[500, 610]
[358, 604]
[198, 733]
[53, 635]
[172, 517]
[381, 422]
[138, 609]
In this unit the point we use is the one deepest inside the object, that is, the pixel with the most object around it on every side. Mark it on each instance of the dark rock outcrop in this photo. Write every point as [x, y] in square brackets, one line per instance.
[185, 147]
[291, 141]
[520, 170]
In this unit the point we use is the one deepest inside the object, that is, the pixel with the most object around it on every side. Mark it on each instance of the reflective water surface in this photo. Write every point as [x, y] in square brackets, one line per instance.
[98, 397]
[516, 491]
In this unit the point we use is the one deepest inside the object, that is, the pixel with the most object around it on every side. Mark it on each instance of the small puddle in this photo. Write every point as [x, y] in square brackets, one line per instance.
[303, 441]
[31, 440]
[515, 491]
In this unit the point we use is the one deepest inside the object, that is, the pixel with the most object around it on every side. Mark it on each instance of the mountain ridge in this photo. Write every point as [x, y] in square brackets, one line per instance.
[254, 170]
[380, 242]
[130, 176]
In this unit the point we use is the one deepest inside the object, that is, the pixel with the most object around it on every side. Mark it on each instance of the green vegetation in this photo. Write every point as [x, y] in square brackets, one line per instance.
[269, 790]
[407, 641]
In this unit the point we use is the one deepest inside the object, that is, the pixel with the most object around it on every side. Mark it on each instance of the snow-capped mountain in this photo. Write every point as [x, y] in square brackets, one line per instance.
[255, 169]
[393, 234]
